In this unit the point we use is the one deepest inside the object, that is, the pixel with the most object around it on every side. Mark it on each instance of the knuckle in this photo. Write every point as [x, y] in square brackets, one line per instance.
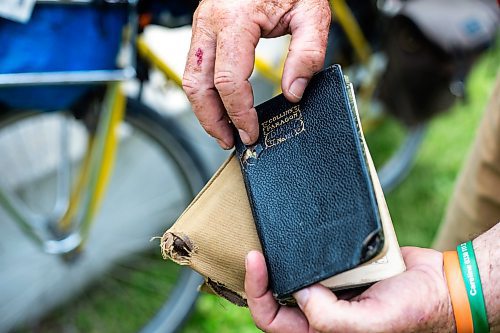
[203, 23]
[238, 116]
[205, 30]
[316, 55]
[211, 13]
[314, 58]
[190, 85]
[225, 83]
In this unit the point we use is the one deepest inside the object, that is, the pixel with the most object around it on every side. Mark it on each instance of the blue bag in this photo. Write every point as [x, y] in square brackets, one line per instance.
[59, 38]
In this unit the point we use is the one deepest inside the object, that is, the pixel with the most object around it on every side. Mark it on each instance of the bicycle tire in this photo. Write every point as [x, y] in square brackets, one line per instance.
[395, 170]
[174, 143]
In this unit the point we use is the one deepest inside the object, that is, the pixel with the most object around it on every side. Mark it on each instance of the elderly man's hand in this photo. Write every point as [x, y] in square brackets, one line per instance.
[415, 301]
[221, 58]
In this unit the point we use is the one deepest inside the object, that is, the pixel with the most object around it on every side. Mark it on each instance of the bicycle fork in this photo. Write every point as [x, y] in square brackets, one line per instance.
[66, 229]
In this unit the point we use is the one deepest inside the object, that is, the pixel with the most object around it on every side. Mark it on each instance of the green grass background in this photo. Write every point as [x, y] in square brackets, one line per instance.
[417, 206]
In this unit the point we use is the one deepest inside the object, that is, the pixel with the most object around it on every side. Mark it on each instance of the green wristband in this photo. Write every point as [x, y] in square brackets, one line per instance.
[470, 273]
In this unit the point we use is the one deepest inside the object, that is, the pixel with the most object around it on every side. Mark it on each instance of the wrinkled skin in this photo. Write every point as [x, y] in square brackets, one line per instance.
[222, 52]
[414, 301]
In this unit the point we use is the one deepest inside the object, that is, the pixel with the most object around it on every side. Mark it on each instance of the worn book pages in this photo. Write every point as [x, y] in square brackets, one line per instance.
[389, 262]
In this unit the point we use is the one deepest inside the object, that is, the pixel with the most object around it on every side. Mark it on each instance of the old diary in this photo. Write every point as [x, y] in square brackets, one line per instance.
[306, 194]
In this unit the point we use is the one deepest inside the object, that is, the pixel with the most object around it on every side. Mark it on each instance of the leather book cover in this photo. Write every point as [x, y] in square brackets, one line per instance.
[309, 186]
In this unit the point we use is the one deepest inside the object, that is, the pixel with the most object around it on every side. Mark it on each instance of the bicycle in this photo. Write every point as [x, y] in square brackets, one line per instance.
[88, 119]
[66, 234]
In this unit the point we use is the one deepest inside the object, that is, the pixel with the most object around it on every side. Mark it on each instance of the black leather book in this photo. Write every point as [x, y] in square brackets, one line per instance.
[309, 186]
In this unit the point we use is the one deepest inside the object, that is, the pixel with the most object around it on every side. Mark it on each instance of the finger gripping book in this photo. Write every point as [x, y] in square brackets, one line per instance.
[309, 186]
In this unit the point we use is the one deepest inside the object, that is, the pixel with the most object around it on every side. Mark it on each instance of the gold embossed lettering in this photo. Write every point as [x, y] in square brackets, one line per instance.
[283, 126]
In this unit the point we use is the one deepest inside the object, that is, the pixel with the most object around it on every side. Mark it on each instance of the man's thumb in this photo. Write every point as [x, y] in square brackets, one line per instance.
[309, 28]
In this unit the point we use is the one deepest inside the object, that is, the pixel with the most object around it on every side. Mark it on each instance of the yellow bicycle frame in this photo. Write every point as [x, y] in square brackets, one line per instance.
[98, 162]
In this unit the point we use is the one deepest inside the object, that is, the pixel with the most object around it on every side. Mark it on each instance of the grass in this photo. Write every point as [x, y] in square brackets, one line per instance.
[417, 205]
[122, 301]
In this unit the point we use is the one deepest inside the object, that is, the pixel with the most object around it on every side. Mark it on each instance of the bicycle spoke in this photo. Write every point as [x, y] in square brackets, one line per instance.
[63, 171]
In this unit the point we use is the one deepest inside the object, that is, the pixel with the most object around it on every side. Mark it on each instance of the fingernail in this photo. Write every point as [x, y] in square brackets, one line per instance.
[297, 87]
[222, 144]
[302, 296]
[244, 137]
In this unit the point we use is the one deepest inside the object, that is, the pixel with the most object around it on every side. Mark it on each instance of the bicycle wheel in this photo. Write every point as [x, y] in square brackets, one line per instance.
[119, 281]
